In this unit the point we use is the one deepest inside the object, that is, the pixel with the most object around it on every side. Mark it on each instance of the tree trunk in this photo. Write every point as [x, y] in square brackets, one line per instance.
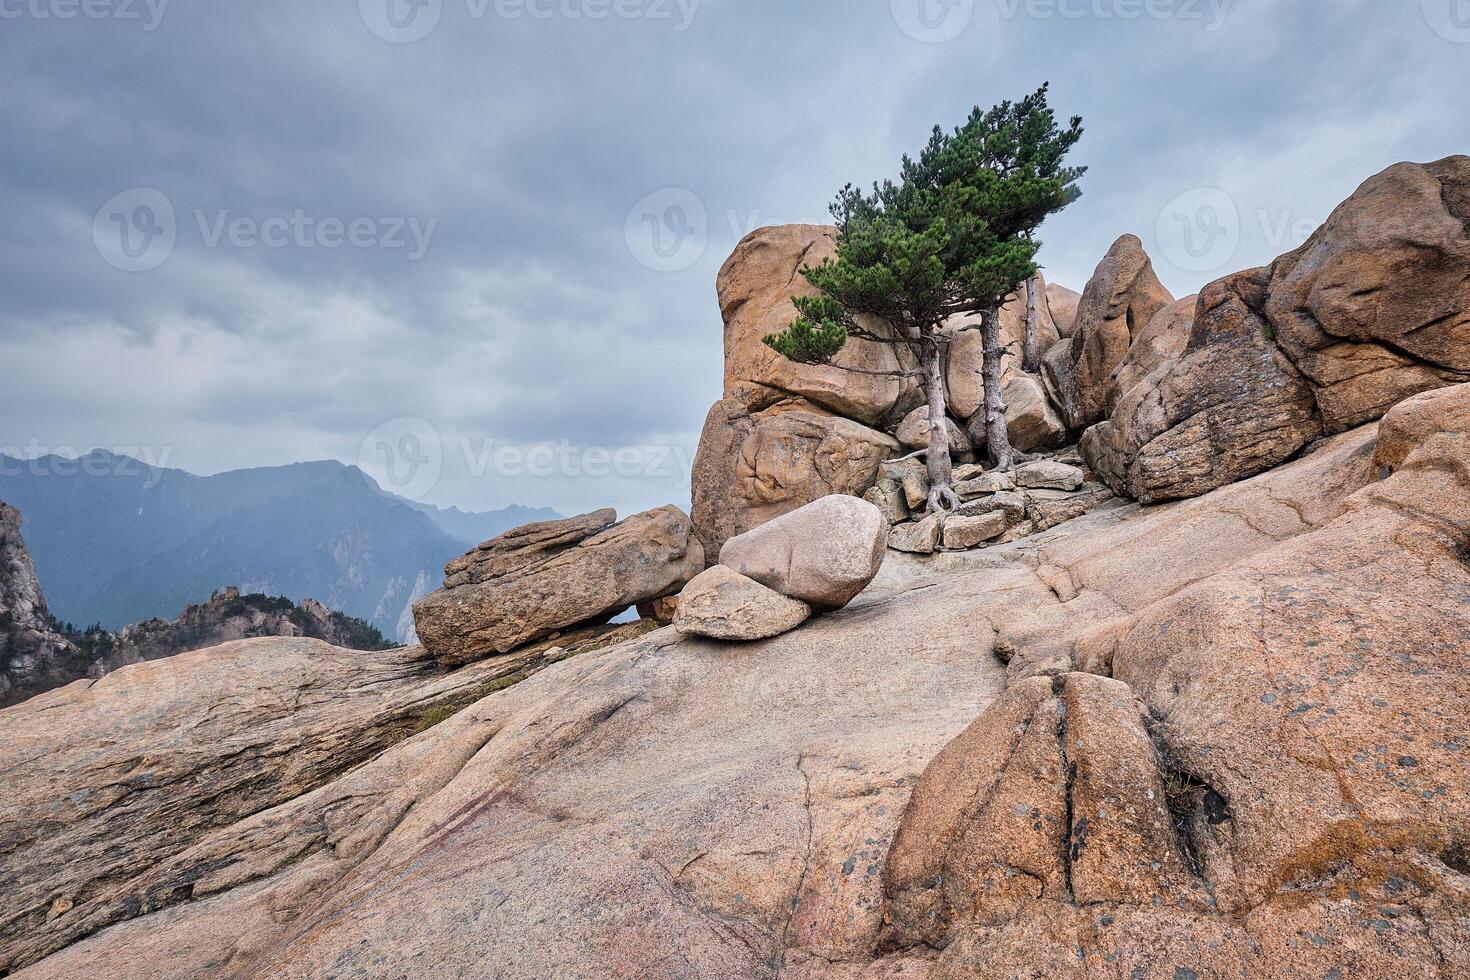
[1031, 358]
[995, 404]
[942, 497]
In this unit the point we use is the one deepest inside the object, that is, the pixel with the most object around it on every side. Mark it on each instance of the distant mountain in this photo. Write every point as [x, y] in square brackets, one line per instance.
[115, 541]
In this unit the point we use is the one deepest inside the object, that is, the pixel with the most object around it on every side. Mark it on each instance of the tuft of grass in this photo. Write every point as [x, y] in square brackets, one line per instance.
[433, 717]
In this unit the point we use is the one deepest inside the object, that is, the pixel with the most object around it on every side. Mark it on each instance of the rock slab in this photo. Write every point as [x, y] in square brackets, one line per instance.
[534, 581]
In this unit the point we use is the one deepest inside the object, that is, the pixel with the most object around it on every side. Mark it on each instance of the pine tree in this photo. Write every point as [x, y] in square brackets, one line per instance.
[953, 237]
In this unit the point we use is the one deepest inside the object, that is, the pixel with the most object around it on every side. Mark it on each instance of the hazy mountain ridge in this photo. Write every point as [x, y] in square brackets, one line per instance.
[116, 541]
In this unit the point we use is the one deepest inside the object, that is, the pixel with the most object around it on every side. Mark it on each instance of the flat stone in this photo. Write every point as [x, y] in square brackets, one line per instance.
[961, 533]
[1048, 475]
[916, 537]
[984, 484]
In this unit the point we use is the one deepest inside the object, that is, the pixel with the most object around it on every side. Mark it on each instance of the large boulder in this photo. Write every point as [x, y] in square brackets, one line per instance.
[965, 356]
[1032, 421]
[1413, 421]
[1229, 408]
[1062, 303]
[752, 468]
[534, 581]
[722, 604]
[756, 286]
[1375, 306]
[1122, 297]
[823, 554]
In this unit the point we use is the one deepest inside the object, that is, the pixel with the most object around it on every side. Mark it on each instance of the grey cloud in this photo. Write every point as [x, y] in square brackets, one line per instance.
[528, 320]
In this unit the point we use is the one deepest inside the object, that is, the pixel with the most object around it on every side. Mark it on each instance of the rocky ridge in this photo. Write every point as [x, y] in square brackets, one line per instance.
[37, 653]
[1074, 736]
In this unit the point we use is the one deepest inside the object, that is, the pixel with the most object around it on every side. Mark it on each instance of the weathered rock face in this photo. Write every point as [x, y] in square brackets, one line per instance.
[756, 286]
[823, 554]
[1370, 310]
[1275, 760]
[722, 604]
[1415, 420]
[1230, 407]
[34, 655]
[1062, 303]
[116, 786]
[1120, 300]
[1376, 305]
[1159, 344]
[536, 580]
[753, 468]
[619, 813]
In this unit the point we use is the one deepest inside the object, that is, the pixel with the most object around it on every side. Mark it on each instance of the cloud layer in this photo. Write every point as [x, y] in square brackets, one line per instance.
[531, 150]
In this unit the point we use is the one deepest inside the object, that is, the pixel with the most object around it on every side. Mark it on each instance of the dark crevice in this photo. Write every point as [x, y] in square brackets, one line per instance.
[1195, 807]
[1076, 832]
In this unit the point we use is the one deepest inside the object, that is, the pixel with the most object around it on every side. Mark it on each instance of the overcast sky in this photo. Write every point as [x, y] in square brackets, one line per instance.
[241, 234]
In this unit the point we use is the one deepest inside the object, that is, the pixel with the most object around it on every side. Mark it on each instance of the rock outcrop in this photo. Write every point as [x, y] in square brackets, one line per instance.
[756, 286]
[1274, 762]
[753, 468]
[1370, 310]
[116, 786]
[722, 604]
[34, 654]
[786, 434]
[536, 580]
[1265, 775]
[1122, 298]
[1375, 306]
[226, 616]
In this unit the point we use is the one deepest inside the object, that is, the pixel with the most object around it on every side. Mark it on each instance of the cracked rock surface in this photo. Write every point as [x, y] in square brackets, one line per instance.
[1217, 736]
